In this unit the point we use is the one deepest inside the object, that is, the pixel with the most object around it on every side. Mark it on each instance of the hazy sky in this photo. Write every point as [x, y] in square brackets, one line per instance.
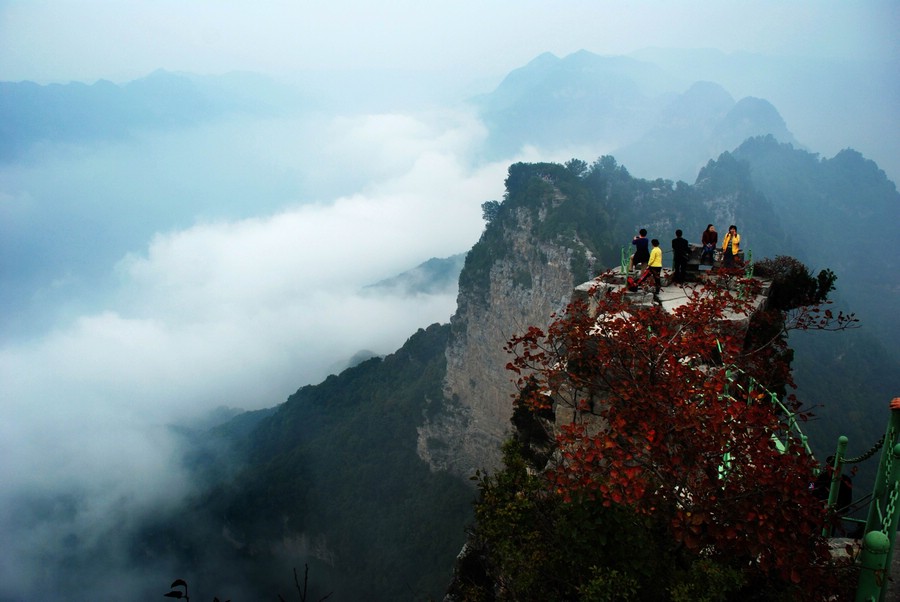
[62, 40]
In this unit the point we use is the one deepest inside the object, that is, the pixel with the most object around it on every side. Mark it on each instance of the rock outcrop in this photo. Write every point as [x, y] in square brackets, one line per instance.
[527, 282]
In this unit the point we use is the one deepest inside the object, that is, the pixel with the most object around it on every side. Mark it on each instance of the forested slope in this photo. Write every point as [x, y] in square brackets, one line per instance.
[331, 478]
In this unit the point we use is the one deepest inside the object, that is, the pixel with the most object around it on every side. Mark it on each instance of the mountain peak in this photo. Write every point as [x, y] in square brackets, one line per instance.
[751, 117]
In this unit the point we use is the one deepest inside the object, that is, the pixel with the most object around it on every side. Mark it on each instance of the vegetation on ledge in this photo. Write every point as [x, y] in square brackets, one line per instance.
[643, 465]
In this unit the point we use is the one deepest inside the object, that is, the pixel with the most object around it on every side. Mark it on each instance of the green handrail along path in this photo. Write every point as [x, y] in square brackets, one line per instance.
[884, 511]
[752, 388]
[883, 516]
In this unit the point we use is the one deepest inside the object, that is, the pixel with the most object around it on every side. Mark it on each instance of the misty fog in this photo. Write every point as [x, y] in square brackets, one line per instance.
[158, 278]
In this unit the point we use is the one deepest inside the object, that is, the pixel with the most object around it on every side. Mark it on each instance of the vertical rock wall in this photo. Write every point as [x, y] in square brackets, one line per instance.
[531, 281]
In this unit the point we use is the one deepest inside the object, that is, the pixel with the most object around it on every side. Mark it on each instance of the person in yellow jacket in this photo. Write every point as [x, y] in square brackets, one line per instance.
[655, 265]
[731, 246]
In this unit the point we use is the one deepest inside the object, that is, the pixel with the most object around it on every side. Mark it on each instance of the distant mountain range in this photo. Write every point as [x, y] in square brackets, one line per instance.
[77, 112]
[626, 106]
[661, 112]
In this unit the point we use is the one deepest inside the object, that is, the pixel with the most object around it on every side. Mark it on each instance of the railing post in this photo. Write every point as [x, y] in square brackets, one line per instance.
[873, 561]
[892, 512]
[836, 470]
[873, 520]
[624, 262]
[883, 517]
[748, 273]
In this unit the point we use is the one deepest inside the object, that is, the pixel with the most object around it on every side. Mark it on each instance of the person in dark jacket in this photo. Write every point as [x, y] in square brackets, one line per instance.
[641, 249]
[681, 251]
[710, 241]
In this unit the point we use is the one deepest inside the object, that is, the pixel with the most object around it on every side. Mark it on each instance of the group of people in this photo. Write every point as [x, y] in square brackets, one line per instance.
[648, 251]
[731, 245]
[652, 257]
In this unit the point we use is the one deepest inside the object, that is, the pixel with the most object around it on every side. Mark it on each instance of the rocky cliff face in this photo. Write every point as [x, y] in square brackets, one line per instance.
[551, 233]
[528, 280]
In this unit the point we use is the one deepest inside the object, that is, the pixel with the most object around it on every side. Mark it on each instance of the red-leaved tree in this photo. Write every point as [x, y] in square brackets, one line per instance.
[670, 414]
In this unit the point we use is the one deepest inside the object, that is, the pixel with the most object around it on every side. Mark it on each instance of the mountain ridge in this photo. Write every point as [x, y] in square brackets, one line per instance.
[648, 119]
[31, 113]
[556, 227]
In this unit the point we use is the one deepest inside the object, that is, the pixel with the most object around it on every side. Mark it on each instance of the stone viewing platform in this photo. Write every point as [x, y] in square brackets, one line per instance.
[671, 294]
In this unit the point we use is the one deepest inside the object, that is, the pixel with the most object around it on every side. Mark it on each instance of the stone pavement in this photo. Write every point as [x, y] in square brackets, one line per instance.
[671, 295]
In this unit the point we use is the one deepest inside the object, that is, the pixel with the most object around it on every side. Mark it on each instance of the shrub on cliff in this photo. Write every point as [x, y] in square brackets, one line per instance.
[672, 470]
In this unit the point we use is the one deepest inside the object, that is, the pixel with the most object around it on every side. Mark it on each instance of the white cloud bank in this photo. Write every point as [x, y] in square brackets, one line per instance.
[236, 312]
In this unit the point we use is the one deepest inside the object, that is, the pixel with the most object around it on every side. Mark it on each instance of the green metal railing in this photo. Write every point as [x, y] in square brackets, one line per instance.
[789, 417]
[883, 515]
[752, 388]
[748, 273]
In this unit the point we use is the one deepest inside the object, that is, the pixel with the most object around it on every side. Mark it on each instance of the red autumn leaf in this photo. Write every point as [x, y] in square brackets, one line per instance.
[657, 399]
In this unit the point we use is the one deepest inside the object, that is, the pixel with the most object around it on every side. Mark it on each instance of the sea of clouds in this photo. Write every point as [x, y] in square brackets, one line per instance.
[169, 274]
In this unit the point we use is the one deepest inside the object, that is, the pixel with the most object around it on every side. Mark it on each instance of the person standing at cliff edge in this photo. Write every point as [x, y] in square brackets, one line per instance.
[680, 253]
[731, 246]
[641, 251]
[655, 266]
[709, 240]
